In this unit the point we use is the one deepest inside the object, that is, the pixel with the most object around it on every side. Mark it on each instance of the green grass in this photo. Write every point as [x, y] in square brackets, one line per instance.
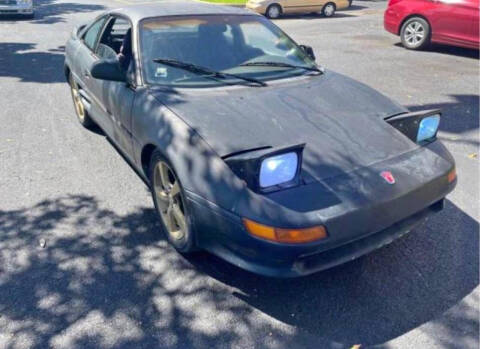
[233, 2]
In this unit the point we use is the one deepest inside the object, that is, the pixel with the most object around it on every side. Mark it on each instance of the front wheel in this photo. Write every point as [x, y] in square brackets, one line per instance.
[273, 11]
[169, 200]
[82, 114]
[415, 33]
[329, 9]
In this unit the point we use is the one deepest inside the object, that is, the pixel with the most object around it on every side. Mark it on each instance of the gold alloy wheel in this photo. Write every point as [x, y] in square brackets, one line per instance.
[77, 100]
[169, 201]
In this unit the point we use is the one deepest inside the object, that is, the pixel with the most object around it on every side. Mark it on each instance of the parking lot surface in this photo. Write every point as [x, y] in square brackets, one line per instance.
[83, 263]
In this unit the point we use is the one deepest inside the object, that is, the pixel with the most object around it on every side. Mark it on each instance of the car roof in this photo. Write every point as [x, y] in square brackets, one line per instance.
[177, 8]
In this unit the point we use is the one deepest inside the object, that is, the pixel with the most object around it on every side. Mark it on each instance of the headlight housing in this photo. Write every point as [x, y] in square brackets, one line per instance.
[428, 128]
[278, 169]
[268, 169]
[420, 127]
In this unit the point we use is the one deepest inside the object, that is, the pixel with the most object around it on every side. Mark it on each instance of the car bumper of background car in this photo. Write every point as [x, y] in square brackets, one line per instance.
[342, 4]
[257, 7]
[16, 10]
[391, 21]
[354, 227]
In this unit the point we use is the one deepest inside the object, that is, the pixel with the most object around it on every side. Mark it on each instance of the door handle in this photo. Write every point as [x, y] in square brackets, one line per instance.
[86, 74]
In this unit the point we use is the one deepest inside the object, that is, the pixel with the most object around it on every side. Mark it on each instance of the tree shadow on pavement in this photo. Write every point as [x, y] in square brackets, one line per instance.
[105, 280]
[52, 11]
[18, 60]
[109, 282]
[456, 51]
[459, 116]
[450, 50]
[354, 7]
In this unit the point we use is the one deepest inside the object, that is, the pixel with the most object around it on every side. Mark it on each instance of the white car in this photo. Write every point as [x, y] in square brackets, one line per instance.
[17, 7]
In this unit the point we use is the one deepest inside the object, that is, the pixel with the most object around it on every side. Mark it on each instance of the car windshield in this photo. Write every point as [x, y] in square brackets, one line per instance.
[245, 46]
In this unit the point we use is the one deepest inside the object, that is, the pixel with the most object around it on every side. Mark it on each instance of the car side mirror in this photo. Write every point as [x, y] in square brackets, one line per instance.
[309, 51]
[108, 69]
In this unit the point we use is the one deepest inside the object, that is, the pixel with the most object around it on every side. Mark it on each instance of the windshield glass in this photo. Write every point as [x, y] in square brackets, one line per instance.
[225, 44]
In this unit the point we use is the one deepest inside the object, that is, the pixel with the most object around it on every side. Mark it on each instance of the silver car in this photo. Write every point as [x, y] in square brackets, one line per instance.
[17, 7]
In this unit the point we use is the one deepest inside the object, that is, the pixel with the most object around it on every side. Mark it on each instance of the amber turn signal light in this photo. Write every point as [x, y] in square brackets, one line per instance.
[291, 236]
[452, 175]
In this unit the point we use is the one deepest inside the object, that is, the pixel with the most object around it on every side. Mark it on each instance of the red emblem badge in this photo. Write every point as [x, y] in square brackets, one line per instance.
[388, 176]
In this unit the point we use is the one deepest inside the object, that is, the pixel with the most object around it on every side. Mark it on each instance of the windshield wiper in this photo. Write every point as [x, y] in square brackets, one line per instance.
[282, 65]
[199, 70]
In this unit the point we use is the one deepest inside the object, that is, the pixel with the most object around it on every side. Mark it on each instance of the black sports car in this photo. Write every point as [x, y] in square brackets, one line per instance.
[251, 150]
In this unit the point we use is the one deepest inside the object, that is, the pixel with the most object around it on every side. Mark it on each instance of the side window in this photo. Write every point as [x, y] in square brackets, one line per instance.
[90, 37]
[120, 28]
[116, 32]
[116, 42]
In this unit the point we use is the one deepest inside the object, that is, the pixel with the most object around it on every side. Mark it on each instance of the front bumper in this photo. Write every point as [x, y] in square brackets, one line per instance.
[16, 10]
[353, 250]
[361, 216]
[291, 261]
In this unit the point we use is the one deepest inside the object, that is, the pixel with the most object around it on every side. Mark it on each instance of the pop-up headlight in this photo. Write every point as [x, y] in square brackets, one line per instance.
[268, 169]
[421, 127]
[428, 128]
[278, 169]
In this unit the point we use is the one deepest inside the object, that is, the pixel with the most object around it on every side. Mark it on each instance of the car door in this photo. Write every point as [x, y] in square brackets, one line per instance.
[118, 97]
[452, 21]
[91, 89]
[301, 6]
[473, 6]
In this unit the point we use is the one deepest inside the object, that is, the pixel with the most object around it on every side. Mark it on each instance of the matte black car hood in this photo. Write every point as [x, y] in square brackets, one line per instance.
[339, 119]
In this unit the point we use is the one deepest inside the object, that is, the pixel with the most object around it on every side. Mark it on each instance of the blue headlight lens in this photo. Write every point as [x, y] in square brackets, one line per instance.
[428, 128]
[278, 169]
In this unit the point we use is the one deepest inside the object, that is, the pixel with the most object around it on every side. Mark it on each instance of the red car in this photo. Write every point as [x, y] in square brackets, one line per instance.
[419, 22]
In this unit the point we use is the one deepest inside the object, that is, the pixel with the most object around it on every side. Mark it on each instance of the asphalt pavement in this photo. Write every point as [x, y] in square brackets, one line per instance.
[83, 263]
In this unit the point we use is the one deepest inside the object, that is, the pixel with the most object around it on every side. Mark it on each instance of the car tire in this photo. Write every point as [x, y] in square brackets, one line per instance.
[82, 114]
[171, 204]
[329, 9]
[273, 11]
[415, 33]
